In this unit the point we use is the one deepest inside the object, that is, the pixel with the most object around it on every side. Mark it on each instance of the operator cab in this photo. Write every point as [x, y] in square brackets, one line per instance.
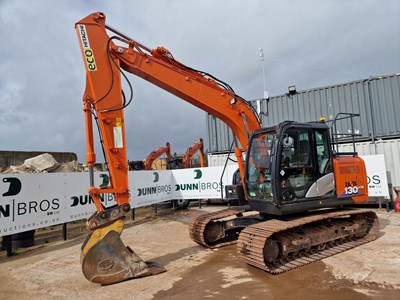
[289, 168]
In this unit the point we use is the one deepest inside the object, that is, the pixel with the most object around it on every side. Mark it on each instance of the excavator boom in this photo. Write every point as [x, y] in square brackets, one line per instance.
[159, 67]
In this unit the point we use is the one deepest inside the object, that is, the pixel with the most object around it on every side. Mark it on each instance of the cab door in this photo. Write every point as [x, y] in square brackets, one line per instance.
[305, 163]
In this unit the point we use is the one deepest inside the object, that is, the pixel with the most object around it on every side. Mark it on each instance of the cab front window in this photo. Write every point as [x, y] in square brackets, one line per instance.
[259, 163]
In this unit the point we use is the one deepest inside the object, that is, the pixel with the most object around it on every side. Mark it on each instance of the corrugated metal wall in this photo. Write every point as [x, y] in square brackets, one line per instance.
[376, 99]
[219, 135]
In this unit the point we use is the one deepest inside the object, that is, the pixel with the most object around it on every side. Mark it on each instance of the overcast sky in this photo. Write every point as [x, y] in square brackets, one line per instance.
[309, 43]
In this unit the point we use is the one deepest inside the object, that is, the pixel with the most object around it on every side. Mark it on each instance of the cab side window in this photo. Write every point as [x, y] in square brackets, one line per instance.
[323, 153]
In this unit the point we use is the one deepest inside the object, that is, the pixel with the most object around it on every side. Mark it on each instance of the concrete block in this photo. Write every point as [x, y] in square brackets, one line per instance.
[42, 163]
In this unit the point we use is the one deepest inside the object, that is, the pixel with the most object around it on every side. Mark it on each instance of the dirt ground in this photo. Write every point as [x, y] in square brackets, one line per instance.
[52, 270]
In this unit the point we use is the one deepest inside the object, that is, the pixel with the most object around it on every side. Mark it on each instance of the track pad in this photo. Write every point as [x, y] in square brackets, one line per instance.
[108, 261]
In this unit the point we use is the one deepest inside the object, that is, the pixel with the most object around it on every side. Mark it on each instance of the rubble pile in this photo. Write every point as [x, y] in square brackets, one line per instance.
[44, 163]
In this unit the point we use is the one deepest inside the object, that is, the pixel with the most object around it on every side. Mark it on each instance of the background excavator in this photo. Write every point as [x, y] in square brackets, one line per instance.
[191, 151]
[156, 154]
[296, 184]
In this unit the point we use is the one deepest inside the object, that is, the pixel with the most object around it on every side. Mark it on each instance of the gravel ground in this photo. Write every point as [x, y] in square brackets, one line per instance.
[53, 271]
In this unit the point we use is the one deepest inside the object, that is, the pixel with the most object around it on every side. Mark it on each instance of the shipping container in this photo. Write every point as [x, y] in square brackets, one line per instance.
[375, 99]
[220, 159]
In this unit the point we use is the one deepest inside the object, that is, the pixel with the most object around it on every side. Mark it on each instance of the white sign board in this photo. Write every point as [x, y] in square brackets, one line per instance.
[150, 187]
[201, 183]
[376, 172]
[31, 201]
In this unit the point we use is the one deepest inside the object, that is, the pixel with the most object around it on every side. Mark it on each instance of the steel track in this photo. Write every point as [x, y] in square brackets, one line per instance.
[198, 225]
[252, 239]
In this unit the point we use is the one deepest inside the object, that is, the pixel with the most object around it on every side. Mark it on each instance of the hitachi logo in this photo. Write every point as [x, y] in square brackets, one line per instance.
[85, 41]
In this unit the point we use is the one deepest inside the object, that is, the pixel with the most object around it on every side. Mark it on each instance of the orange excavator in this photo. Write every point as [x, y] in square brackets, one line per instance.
[156, 154]
[192, 150]
[297, 185]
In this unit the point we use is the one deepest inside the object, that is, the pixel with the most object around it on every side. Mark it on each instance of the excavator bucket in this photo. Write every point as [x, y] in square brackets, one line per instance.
[106, 260]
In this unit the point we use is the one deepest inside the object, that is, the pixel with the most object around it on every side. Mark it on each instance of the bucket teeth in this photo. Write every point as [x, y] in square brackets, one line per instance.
[109, 261]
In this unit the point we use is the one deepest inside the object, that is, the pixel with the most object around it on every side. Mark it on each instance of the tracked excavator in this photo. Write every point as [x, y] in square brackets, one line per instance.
[156, 154]
[297, 187]
[192, 150]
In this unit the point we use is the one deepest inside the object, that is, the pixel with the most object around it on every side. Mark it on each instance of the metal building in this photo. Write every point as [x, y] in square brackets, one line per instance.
[376, 99]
